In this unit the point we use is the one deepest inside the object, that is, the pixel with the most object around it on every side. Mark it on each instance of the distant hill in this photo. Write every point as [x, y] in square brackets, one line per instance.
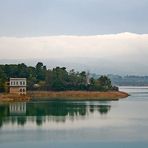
[129, 80]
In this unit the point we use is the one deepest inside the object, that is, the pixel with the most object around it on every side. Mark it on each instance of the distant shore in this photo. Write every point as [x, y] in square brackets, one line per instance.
[65, 95]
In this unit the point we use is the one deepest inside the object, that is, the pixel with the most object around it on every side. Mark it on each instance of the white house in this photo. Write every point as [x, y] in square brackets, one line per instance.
[17, 86]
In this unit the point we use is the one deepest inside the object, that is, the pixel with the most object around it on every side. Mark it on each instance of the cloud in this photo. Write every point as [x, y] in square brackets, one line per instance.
[97, 46]
[123, 53]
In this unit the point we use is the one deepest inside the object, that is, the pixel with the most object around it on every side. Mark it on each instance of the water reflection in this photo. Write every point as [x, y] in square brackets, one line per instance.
[51, 111]
[18, 108]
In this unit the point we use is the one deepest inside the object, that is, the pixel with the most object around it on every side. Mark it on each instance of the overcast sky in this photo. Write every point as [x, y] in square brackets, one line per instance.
[72, 17]
[109, 35]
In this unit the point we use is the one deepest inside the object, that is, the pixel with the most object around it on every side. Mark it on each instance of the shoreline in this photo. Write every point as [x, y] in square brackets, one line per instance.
[64, 95]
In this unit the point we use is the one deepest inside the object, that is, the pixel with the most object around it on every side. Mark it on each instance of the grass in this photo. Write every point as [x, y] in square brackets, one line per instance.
[4, 97]
[64, 95]
[78, 95]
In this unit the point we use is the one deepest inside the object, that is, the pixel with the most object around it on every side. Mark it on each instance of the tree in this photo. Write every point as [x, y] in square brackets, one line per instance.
[60, 77]
[22, 71]
[57, 79]
[105, 83]
[40, 71]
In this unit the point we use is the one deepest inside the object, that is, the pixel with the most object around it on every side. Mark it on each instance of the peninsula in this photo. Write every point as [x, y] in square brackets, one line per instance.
[53, 84]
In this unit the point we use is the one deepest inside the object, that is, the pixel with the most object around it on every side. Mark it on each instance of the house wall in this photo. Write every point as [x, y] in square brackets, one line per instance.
[17, 82]
[17, 85]
[18, 90]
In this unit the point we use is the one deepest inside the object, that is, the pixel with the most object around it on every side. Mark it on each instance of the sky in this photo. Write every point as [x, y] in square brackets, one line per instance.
[103, 36]
[72, 17]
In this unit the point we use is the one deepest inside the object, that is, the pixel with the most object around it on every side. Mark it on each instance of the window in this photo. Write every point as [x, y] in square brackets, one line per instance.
[17, 83]
[21, 90]
[20, 82]
[23, 82]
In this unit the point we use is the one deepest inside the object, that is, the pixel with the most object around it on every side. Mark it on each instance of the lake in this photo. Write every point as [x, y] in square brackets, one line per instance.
[65, 124]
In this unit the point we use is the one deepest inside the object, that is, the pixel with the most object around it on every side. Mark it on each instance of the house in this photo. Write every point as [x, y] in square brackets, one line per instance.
[17, 86]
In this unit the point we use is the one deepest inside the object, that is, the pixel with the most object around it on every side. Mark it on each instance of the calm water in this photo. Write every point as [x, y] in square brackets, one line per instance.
[96, 124]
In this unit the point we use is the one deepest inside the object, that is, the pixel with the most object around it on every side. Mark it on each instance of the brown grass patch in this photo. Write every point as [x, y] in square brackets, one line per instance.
[64, 95]
[13, 97]
[78, 95]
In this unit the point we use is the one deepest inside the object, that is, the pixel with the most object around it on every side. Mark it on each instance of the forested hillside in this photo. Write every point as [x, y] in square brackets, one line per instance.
[57, 79]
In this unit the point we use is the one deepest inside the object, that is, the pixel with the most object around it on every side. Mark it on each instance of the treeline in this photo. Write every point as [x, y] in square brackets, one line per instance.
[57, 79]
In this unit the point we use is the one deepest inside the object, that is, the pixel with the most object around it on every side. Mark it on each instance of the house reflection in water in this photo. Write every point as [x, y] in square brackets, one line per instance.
[50, 111]
[18, 108]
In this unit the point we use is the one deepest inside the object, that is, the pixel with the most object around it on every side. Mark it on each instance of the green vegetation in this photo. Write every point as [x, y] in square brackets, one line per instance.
[54, 109]
[57, 79]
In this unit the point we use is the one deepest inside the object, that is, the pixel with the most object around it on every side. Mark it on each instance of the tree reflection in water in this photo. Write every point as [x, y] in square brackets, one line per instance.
[57, 111]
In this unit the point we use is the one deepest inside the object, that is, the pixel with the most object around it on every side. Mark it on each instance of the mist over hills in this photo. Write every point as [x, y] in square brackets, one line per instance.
[123, 66]
[123, 53]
